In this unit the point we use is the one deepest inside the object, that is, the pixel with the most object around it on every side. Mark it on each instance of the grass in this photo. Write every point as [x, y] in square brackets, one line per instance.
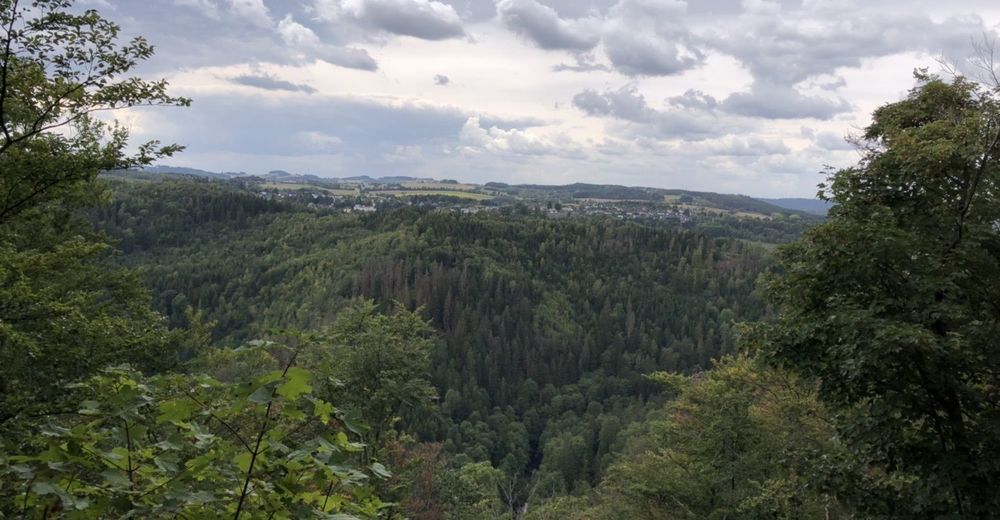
[293, 186]
[445, 193]
[429, 185]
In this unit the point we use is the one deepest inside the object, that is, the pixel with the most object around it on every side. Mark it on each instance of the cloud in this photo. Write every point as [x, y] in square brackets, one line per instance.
[542, 26]
[475, 137]
[711, 86]
[648, 54]
[303, 41]
[424, 19]
[767, 101]
[252, 10]
[625, 103]
[628, 104]
[775, 101]
[742, 147]
[650, 38]
[694, 99]
[585, 62]
[271, 82]
[818, 38]
[640, 37]
[441, 79]
[832, 142]
[319, 142]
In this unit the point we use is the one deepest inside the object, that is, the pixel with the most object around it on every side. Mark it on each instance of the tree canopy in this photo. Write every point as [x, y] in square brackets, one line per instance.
[892, 302]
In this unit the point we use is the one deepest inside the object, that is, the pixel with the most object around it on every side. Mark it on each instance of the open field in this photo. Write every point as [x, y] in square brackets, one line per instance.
[430, 185]
[294, 186]
[445, 193]
[719, 211]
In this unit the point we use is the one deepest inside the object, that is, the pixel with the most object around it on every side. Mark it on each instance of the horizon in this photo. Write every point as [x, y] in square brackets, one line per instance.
[173, 169]
[753, 97]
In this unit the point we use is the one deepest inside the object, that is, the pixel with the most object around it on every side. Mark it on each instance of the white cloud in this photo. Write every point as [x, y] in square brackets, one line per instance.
[475, 138]
[252, 10]
[303, 41]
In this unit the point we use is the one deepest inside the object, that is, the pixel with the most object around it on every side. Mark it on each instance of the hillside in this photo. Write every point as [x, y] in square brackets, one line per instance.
[532, 312]
[713, 214]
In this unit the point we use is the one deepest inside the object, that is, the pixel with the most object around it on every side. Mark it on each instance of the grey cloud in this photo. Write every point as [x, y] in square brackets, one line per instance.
[441, 79]
[737, 147]
[585, 62]
[473, 10]
[640, 37]
[638, 54]
[579, 8]
[628, 104]
[542, 25]
[348, 57]
[691, 125]
[650, 38]
[694, 99]
[820, 37]
[271, 82]
[774, 101]
[625, 103]
[304, 42]
[593, 103]
[424, 19]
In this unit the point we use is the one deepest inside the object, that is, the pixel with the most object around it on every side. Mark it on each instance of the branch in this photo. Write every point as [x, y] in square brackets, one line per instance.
[222, 422]
[260, 438]
[971, 192]
[6, 69]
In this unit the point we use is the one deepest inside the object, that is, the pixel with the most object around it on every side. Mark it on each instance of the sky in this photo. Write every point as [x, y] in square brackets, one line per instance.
[754, 96]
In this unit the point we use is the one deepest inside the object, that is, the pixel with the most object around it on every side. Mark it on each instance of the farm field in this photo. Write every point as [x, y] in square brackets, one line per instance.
[294, 186]
[445, 193]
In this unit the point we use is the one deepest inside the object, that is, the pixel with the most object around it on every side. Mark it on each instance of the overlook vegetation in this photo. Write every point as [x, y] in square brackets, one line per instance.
[176, 347]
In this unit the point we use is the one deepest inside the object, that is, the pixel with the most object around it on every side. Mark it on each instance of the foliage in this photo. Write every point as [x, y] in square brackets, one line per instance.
[195, 446]
[739, 441]
[64, 310]
[56, 69]
[546, 327]
[380, 365]
[892, 303]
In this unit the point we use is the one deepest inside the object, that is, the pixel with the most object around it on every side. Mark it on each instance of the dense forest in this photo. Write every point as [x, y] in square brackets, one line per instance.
[547, 327]
[174, 347]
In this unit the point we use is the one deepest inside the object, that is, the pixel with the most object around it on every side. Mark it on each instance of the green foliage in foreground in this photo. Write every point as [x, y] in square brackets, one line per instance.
[248, 433]
[892, 304]
[64, 312]
[171, 445]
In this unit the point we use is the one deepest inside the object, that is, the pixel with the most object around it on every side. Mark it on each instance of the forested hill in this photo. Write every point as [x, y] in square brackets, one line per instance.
[547, 326]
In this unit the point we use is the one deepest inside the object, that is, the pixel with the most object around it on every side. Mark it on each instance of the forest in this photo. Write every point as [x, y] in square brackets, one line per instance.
[182, 347]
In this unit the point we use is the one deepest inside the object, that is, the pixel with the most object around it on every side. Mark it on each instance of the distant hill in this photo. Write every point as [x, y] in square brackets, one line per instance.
[814, 206]
[540, 192]
[611, 192]
[180, 170]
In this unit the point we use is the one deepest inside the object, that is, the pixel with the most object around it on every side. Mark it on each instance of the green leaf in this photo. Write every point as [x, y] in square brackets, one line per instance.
[242, 461]
[322, 409]
[380, 470]
[175, 411]
[261, 395]
[296, 383]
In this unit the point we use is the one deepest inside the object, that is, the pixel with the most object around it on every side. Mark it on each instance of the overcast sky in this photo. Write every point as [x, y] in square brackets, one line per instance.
[749, 96]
